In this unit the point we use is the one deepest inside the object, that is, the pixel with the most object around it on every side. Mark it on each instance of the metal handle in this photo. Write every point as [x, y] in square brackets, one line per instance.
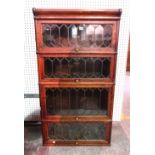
[77, 49]
[77, 80]
[77, 118]
[53, 142]
[77, 143]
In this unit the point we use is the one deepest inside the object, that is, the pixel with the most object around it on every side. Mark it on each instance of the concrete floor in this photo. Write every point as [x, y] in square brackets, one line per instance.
[119, 142]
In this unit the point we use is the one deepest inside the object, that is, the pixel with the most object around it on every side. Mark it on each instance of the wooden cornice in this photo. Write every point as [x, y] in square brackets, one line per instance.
[76, 14]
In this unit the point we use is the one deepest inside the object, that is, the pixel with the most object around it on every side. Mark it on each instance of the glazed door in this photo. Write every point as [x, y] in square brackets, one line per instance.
[77, 133]
[76, 37]
[76, 104]
[77, 68]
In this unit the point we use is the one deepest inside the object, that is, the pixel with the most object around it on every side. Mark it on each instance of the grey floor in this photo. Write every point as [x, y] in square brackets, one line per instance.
[119, 144]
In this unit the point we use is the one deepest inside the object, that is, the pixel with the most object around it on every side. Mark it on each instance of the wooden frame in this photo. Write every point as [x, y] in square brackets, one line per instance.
[45, 50]
[41, 67]
[52, 142]
[128, 57]
[45, 116]
[43, 16]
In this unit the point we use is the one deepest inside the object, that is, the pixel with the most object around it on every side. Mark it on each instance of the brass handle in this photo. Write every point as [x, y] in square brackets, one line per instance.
[77, 143]
[77, 118]
[77, 80]
[53, 142]
[77, 49]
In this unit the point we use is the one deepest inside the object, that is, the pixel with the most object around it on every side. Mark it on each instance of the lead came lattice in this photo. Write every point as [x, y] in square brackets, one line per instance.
[77, 67]
[77, 35]
[73, 131]
[77, 101]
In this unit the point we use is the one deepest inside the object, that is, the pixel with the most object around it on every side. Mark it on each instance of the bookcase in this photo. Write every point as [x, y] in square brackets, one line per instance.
[76, 54]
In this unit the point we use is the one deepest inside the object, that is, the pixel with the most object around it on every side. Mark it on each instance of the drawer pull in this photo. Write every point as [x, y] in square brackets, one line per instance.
[77, 80]
[53, 142]
[77, 118]
[77, 143]
[77, 49]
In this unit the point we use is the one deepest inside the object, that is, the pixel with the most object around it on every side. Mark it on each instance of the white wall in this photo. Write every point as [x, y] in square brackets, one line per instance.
[30, 70]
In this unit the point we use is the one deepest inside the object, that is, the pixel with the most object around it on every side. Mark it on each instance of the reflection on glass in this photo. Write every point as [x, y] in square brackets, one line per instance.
[77, 101]
[76, 131]
[77, 35]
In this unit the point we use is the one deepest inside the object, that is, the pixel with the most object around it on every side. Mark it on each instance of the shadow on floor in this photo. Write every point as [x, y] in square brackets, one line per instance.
[34, 115]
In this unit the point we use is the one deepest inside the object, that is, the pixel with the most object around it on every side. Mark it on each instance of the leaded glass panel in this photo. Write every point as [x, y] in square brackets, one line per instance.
[77, 35]
[76, 131]
[77, 67]
[77, 101]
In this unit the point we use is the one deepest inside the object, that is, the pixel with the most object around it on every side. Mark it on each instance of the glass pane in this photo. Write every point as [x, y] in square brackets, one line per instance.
[77, 101]
[76, 131]
[77, 67]
[77, 35]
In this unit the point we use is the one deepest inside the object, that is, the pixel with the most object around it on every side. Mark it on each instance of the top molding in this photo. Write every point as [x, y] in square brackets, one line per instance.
[41, 14]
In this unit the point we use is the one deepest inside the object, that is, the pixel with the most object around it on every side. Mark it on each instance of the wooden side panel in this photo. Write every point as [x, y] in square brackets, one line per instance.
[128, 57]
